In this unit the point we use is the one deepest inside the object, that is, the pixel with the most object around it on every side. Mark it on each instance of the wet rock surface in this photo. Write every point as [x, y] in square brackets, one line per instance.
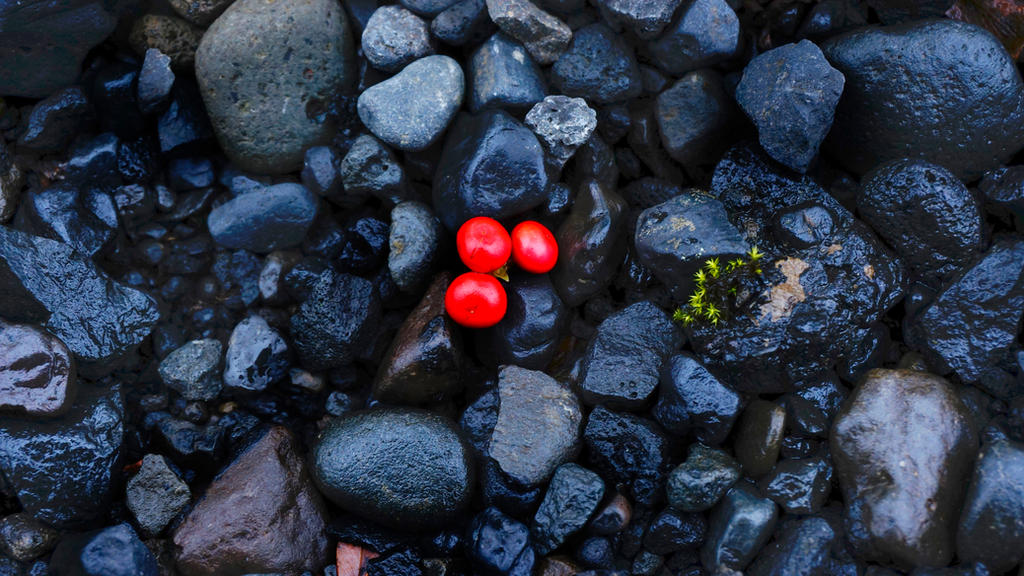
[534, 323]
[37, 373]
[359, 462]
[503, 75]
[156, 495]
[903, 446]
[267, 488]
[116, 551]
[262, 221]
[884, 115]
[627, 449]
[989, 531]
[692, 399]
[700, 482]
[571, 498]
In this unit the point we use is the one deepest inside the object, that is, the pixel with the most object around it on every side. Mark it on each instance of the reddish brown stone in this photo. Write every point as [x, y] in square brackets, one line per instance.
[262, 514]
[37, 373]
[1003, 18]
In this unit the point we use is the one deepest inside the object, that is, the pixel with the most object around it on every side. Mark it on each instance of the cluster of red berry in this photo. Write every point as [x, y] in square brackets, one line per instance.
[476, 299]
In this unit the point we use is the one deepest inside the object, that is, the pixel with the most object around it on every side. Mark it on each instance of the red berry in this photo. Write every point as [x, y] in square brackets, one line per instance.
[534, 247]
[483, 243]
[476, 300]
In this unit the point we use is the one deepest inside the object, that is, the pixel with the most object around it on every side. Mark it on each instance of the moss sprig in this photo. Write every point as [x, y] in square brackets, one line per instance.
[717, 287]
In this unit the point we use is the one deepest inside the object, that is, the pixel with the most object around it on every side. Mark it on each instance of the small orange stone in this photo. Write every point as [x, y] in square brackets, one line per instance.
[351, 559]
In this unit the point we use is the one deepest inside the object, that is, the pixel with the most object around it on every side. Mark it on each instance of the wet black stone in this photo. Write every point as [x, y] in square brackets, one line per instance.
[302, 276]
[971, 328]
[818, 302]
[404, 563]
[62, 470]
[700, 482]
[907, 87]
[596, 552]
[502, 491]
[46, 282]
[691, 398]
[672, 531]
[1003, 188]
[361, 463]
[758, 436]
[24, 538]
[931, 220]
[465, 22]
[503, 75]
[414, 241]
[55, 120]
[113, 96]
[191, 445]
[156, 495]
[46, 43]
[336, 318]
[598, 66]
[184, 126]
[739, 527]
[623, 362]
[811, 408]
[320, 173]
[704, 33]
[92, 162]
[365, 245]
[499, 546]
[801, 548]
[790, 93]
[530, 333]
[156, 79]
[697, 118]
[194, 370]
[675, 238]
[613, 517]
[114, 551]
[370, 169]
[478, 420]
[591, 242]
[271, 219]
[257, 356]
[571, 499]
[799, 486]
[237, 274]
[628, 450]
[648, 192]
[190, 173]
[990, 531]
[82, 219]
[492, 165]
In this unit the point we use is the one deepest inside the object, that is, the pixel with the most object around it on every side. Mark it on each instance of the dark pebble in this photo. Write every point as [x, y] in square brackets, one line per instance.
[672, 531]
[696, 118]
[799, 486]
[700, 482]
[194, 370]
[990, 530]
[156, 495]
[414, 240]
[739, 527]
[759, 437]
[571, 499]
[533, 326]
[691, 398]
[395, 37]
[499, 545]
[703, 34]
[502, 75]
[55, 120]
[262, 221]
[628, 450]
[599, 66]
[801, 548]
[37, 373]
[257, 356]
[114, 551]
[543, 35]
[334, 320]
[24, 538]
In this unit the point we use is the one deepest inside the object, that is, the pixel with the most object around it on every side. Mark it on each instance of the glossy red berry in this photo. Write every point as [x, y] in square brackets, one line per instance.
[534, 248]
[483, 244]
[476, 300]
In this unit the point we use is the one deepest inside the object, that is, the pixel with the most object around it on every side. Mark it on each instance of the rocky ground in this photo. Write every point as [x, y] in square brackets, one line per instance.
[227, 228]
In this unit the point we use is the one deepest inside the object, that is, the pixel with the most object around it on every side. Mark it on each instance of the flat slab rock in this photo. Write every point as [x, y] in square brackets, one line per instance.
[261, 515]
[538, 425]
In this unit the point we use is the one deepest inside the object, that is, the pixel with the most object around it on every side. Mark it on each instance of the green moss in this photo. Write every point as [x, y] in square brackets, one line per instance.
[717, 286]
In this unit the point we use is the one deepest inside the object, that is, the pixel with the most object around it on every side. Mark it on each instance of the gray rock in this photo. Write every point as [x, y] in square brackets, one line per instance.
[257, 356]
[971, 327]
[538, 425]
[262, 221]
[62, 470]
[361, 462]
[155, 81]
[43, 44]
[370, 169]
[427, 7]
[932, 221]
[462, 23]
[503, 75]
[425, 358]
[411, 110]
[414, 240]
[24, 538]
[262, 514]
[562, 124]
[907, 89]
[790, 93]
[37, 373]
[599, 66]
[491, 165]
[274, 68]
[46, 282]
[544, 36]
[700, 482]
[675, 238]
[156, 495]
[990, 529]
[801, 548]
[623, 361]
[395, 37]
[739, 527]
[903, 446]
[704, 33]
[571, 499]
[696, 118]
[799, 486]
[646, 18]
[193, 370]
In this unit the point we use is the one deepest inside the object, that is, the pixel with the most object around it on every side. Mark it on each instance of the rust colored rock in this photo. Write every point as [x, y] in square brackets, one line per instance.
[425, 357]
[37, 373]
[262, 514]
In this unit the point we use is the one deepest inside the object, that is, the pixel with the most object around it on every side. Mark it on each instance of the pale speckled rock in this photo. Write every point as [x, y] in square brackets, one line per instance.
[394, 37]
[273, 68]
[411, 110]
